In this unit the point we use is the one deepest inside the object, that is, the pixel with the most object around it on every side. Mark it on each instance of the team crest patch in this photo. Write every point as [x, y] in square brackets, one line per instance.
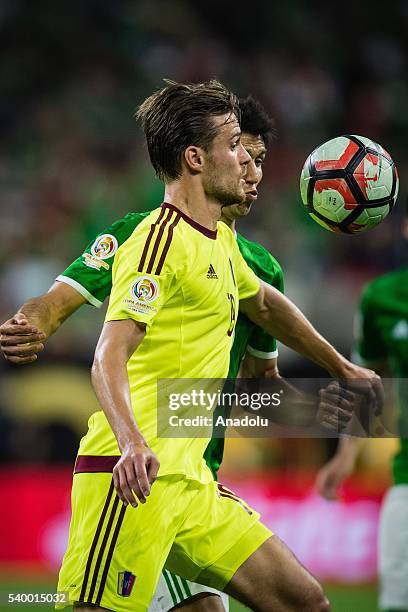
[126, 581]
[145, 289]
[104, 246]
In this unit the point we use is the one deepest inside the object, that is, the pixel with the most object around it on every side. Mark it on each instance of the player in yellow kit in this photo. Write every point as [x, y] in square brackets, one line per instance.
[189, 320]
[169, 318]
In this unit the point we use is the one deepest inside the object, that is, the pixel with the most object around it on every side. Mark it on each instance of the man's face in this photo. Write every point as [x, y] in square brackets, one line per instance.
[255, 147]
[226, 161]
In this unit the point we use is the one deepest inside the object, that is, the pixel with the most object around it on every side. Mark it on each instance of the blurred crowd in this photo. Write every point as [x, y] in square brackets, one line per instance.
[73, 160]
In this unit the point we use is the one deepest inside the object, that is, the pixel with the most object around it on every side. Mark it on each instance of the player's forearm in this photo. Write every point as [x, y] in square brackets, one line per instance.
[349, 447]
[40, 313]
[47, 312]
[282, 319]
[118, 341]
[111, 385]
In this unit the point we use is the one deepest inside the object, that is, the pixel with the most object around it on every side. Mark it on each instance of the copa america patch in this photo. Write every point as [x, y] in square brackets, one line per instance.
[145, 289]
[104, 246]
[126, 580]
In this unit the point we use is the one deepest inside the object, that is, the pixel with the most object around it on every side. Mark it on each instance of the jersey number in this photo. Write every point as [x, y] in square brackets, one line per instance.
[233, 314]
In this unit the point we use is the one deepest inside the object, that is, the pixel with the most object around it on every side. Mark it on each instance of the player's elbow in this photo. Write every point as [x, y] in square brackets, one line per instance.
[97, 366]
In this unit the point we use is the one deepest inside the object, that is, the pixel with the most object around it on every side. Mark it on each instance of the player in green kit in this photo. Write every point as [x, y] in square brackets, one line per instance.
[382, 344]
[89, 280]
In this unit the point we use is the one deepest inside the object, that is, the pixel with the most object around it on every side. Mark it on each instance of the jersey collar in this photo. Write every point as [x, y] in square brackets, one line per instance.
[200, 228]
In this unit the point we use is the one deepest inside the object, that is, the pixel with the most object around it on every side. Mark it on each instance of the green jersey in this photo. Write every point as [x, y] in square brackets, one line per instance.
[91, 276]
[248, 336]
[383, 337]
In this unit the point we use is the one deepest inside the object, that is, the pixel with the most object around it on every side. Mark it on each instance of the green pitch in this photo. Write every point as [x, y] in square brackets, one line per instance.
[343, 598]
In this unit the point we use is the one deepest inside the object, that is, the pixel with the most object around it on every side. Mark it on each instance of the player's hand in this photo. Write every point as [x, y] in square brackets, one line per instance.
[134, 474]
[366, 383]
[332, 475]
[336, 406]
[20, 342]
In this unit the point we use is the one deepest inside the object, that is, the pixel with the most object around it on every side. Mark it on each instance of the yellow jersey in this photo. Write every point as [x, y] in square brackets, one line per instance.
[184, 282]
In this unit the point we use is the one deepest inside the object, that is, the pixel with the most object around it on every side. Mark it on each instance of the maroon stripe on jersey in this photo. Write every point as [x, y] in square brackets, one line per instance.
[204, 230]
[148, 240]
[95, 542]
[234, 497]
[110, 555]
[95, 463]
[239, 501]
[157, 243]
[167, 244]
[223, 490]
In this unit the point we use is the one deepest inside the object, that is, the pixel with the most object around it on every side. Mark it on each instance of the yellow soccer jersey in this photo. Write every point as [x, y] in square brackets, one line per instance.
[184, 281]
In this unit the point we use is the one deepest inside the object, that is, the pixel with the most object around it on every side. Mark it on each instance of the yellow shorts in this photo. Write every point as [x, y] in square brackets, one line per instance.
[201, 532]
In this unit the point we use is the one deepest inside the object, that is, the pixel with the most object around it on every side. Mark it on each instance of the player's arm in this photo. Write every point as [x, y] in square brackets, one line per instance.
[333, 408]
[275, 313]
[88, 279]
[256, 367]
[22, 336]
[137, 468]
[369, 348]
[335, 471]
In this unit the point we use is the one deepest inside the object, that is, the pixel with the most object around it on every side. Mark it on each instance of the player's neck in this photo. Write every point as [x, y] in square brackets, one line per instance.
[229, 222]
[192, 201]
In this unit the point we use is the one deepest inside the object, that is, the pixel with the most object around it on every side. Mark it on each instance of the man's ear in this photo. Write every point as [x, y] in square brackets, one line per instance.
[194, 158]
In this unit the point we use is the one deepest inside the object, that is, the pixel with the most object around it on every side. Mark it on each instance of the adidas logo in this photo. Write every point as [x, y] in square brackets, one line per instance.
[211, 272]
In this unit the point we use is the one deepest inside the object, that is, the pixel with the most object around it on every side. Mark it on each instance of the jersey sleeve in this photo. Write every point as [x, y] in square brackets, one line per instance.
[260, 343]
[91, 273]
[369, 346]
[139, 295]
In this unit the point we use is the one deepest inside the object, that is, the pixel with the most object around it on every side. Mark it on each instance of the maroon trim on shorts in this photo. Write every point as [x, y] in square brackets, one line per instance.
[110, 555]
[95, 463]
[204, 230]
[95, 542]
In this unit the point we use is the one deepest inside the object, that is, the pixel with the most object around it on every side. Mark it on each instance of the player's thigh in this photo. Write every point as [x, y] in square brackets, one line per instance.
[209, 546]
[115, 552]
[223, 544]
[273, 579]
[393, 549]
[174, 592]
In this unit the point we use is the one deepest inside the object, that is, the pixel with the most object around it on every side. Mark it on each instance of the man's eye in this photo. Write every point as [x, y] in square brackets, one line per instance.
[259, 162]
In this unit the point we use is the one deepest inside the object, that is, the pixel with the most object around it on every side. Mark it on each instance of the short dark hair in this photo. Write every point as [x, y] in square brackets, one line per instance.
[255, 120]
[178, 116]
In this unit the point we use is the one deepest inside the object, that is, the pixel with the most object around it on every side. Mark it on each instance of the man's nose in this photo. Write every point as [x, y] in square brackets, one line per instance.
[245, 156]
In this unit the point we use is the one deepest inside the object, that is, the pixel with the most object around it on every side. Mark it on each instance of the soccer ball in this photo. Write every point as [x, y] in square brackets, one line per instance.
[349, 184]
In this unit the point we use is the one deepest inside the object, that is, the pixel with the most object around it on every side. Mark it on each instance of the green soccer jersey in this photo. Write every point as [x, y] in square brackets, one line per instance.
[248, 336]
[91, 276]
[382, 336]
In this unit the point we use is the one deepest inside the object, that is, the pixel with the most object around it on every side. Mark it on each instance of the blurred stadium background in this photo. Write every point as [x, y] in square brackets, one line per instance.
[72, 160]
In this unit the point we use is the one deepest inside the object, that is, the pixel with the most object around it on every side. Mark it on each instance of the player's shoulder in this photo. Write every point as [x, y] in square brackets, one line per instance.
[259, 258]
[384, 288]
[155, 244]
